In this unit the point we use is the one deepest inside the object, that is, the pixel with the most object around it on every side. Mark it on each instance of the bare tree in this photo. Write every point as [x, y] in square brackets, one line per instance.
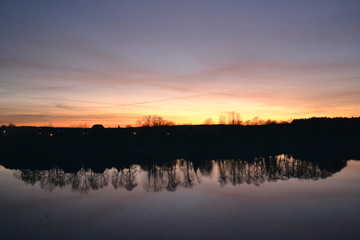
[209, 121]
[145, 121]
[258, 121]
[157, 121]
[234, 118]
[222, 120]
[154, 121]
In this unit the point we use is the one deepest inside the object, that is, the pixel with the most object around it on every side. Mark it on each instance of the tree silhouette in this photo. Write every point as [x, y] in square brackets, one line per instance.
[234, 118]
[209, 121]
[222, 120]
[154, 121]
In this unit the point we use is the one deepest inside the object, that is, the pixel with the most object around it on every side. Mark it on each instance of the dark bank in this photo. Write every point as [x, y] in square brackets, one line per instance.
[283, 181]
[322, 140]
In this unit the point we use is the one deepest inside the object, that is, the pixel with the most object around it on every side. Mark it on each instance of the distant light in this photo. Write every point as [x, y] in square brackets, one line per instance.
[134, 133]
[39, 133]
[167, 133]
[4, 131]
[51, 134]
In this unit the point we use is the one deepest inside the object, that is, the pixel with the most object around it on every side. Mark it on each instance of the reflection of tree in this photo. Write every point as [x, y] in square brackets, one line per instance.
[238, 172]
[125, 178]
[173, 179]
[206, 169]
[170, 177]
[81, 181]
[222, 172]
[74, 180]
[188, 173]
[155, 179]
[260, 170]
[117, 179]
[180, 173]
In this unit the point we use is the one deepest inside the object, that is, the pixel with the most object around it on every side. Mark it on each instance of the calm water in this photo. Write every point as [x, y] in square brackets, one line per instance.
[274, 198]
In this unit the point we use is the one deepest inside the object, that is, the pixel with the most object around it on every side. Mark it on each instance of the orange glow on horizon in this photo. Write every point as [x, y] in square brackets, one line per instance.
[113, 122]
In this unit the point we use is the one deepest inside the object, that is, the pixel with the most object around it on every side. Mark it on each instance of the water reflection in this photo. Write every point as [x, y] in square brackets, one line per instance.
[81, 181]
[124, 178]
[180, 173]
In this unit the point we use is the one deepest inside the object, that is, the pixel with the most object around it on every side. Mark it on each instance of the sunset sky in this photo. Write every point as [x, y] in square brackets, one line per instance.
[69, 63]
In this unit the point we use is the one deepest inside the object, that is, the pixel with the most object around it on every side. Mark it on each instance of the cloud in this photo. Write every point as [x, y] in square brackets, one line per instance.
[161, 100]
[50, 89]
[173, 87]
[66, 107]
[63, 120]
[56, 71]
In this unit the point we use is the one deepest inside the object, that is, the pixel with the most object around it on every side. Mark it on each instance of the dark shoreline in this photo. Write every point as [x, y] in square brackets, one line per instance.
[320, 139]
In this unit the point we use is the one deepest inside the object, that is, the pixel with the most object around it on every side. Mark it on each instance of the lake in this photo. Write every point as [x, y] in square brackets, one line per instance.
[273, 197]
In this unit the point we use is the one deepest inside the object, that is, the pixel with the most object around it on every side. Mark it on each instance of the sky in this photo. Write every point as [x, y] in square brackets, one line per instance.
[79, 63]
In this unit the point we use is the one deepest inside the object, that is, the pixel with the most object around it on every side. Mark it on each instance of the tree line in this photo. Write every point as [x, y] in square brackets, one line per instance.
[231, 118]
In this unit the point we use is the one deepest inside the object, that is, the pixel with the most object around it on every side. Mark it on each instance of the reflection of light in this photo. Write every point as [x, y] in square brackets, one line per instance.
[51, 134]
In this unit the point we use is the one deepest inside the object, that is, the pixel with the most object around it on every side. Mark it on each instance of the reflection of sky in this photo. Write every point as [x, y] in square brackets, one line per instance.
[112, 62]
[327, 208]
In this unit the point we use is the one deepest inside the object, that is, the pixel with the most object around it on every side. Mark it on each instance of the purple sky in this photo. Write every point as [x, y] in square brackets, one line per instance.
[83, 62]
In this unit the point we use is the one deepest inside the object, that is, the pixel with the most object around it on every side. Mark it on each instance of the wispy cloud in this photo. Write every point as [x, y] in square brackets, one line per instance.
[161, 100]
[66, 107]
